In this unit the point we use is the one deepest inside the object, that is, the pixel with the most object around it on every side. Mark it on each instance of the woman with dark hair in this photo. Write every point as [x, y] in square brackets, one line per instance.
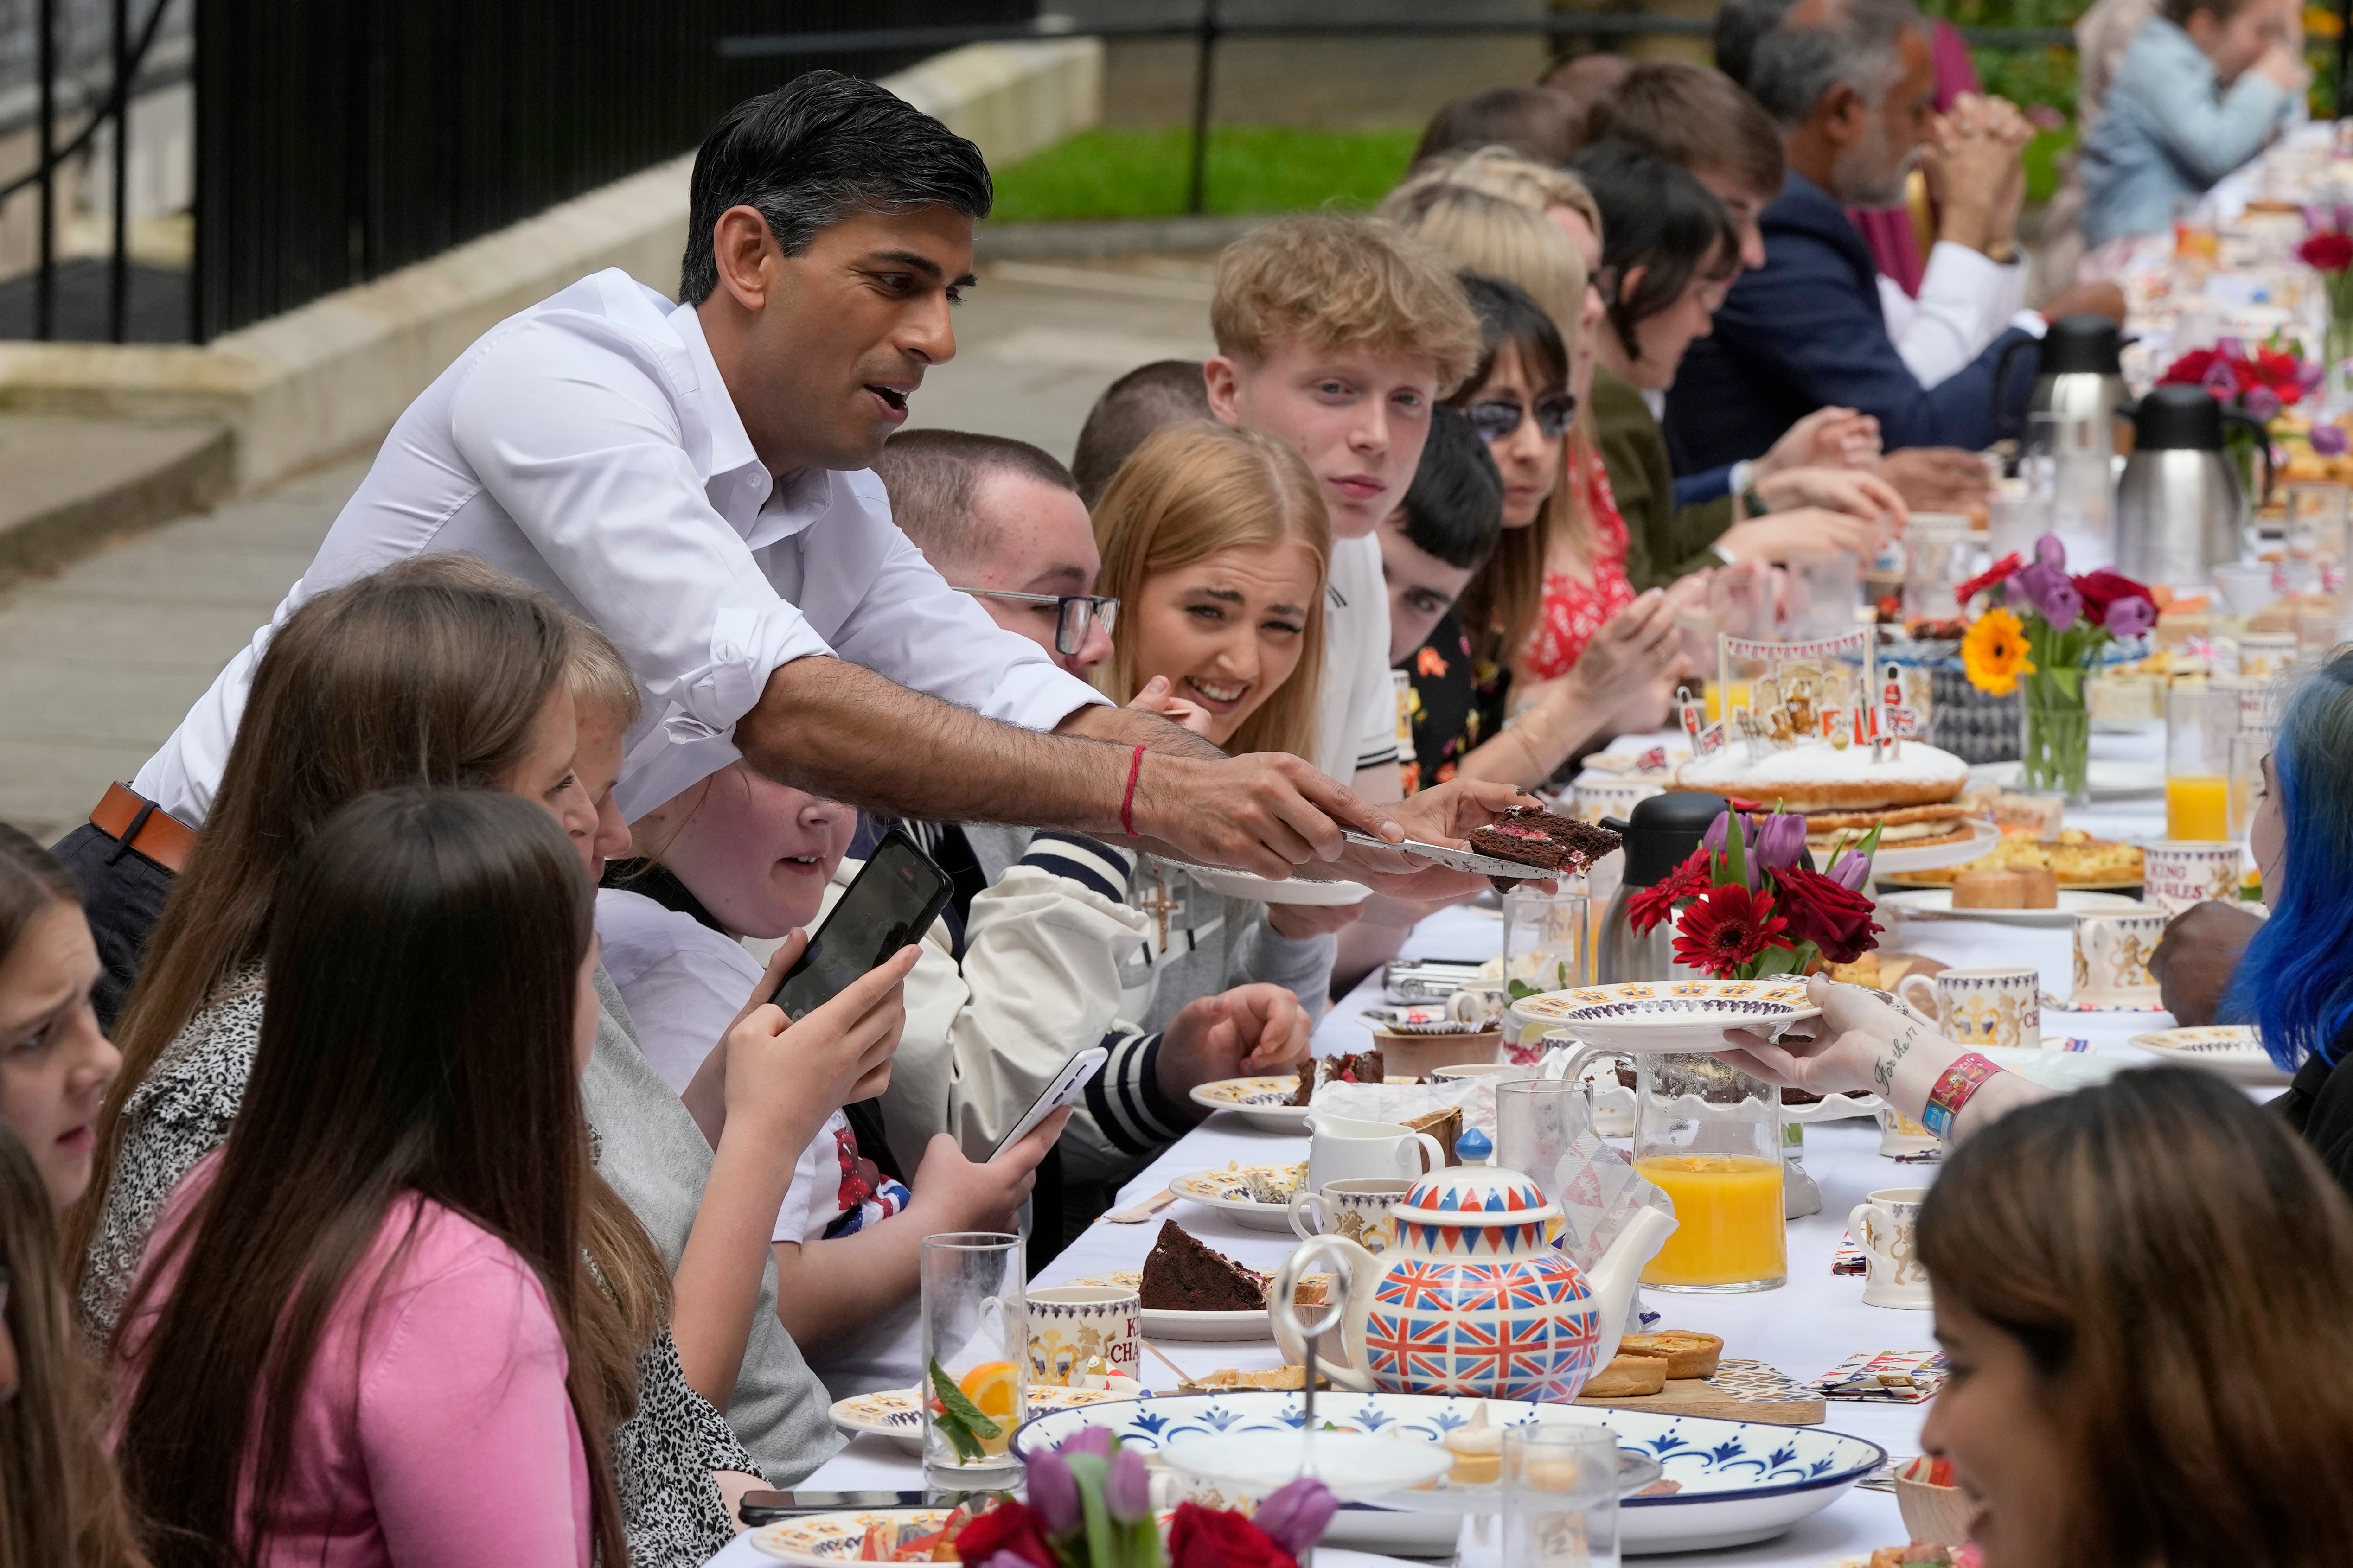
[60, 1504]
[55, 1061]
[1669, 252]
[366, 1328]
[2140, 1291]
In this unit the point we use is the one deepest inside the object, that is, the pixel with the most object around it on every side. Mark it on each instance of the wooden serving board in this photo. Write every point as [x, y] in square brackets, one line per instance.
[1740, 1391]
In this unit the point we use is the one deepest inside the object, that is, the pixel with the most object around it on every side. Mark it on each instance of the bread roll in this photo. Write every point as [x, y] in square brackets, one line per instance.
[1993, 887]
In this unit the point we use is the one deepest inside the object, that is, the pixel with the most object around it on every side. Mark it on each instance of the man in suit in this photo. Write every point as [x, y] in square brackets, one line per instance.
[1851, 84]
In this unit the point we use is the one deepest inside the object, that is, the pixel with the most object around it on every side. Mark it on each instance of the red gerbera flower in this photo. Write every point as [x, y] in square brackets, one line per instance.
[1725, 929]
[2190, 369]
[1650, 905]
[2000, 572]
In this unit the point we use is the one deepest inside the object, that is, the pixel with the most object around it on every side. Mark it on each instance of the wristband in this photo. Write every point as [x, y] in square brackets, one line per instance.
[1127, 801]
[1953, 1090]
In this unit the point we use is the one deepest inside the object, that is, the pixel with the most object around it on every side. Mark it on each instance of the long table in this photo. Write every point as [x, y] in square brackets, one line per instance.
[1805, 1328]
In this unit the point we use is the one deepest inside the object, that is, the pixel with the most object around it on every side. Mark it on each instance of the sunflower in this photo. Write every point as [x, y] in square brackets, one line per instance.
[1994, 653]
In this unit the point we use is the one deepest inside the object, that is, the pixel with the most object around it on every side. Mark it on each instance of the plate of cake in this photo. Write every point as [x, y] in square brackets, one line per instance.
[1910, 793]
[1190, 1291]
[1279, 1103]
[1257, 1195]
[2074, 860]
[1996, 898]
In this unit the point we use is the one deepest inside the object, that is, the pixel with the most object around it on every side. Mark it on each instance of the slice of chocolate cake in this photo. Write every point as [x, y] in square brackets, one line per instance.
[1535, 837]
[1180, 1275]
[1364, 1067]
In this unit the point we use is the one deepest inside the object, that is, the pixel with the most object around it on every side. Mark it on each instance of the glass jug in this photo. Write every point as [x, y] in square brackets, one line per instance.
[1709, 1136]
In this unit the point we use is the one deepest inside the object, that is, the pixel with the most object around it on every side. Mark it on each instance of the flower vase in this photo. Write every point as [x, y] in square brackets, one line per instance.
[2337, 347]
[2055, 741]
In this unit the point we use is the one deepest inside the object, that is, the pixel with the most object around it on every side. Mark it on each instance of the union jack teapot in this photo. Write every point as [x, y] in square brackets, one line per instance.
[1473, 1299]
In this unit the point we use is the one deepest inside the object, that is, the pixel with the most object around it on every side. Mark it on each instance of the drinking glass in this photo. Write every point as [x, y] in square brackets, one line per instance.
[2316, 535]
[1547, 936]
[1536, 1120]
[1560, 1496]
[1825, 586]
[2199, 723]
[976, 1331]
[1709, 1136]
[1938, 556]
[2248, 749]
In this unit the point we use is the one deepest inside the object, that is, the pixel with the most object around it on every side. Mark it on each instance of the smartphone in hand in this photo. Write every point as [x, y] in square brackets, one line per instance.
[1067, 1086]
[889, 904]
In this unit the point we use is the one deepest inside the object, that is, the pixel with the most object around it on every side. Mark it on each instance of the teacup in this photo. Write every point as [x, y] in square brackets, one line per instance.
[2178, 873]
[2263, 654]
[1478, 1003]
[1358, 1210]
[2112, 958]
[1999, 1005]
[1900, 1137]
[1455, 1072]
[1078, 1332]
[1344, 1149]
[1605, 795]
[1886, 1226]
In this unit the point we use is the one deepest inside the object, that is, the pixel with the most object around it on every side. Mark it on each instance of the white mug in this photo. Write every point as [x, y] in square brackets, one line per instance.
[1886, 1226]
[1078, 1331]
[1342, 1149]
[1358, 1210]
[1900, 1137]
[1613, 796]
[2178, 873]
[2112, 958]
[1999, 1005]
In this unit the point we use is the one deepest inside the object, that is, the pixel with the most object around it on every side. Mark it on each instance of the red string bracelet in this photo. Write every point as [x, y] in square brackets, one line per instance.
[1127, 801]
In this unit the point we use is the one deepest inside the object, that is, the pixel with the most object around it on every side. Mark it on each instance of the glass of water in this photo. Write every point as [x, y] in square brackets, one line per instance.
[1560, 1496]
[976, 1340]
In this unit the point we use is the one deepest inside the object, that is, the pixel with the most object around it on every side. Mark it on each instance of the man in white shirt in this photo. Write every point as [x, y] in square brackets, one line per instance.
[692, 478]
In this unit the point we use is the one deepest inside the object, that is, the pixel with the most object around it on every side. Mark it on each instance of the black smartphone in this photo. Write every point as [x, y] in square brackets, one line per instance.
[760, 1508]
[890, 903]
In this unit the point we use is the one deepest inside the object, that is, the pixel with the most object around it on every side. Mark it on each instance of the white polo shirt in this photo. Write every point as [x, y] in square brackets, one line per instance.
[1356, 725]
[588, 446]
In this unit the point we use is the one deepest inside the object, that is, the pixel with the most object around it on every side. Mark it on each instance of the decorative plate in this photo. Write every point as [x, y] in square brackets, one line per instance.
[1667, 1015]
[2234, 1050]
[1162, 1323]
[827, 1538]
[1261, 1102]
[897, 1413]
[1896, 860]
[1937, 904]
[2102, 781]
[1741, 1480]
[1249, 885]
[1226, 1191]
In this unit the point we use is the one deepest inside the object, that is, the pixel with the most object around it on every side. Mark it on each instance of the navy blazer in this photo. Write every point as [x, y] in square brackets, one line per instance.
[1804, 331]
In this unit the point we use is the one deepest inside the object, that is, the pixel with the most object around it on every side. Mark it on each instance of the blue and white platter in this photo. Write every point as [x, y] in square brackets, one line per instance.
[1739, 1480]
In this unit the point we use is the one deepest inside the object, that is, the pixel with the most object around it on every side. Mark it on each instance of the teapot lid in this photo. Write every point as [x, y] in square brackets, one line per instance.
[2084, 343]
[1478, 1195]
[2178, 419]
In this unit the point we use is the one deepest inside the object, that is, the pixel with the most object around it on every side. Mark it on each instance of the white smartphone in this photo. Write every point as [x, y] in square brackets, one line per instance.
[1068, 1085]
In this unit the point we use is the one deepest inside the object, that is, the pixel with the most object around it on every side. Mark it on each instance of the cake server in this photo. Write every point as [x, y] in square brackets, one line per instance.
[1456, 859]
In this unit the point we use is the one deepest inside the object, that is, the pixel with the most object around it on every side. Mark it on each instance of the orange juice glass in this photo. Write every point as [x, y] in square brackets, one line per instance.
[1709, 1136]
[2199, 723]
[2198, 807]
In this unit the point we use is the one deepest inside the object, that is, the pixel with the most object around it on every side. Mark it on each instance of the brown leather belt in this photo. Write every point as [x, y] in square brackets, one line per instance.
[144, 825]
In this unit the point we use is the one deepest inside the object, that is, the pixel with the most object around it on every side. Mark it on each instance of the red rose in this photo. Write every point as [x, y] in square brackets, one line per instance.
[1213, 1538]
[1007, 1527]
[2101, 588]
[1827, 914]
[2331, 250]
[2190, 369]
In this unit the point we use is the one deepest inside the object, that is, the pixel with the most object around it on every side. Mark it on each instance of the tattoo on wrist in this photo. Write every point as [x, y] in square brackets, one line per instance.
[1883, 1072]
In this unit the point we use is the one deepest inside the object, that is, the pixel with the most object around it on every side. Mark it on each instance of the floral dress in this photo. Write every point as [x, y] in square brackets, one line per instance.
[1573, 611]
[1454, 700]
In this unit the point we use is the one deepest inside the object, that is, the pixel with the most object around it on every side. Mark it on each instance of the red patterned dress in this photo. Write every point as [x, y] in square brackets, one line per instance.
[1573, 611]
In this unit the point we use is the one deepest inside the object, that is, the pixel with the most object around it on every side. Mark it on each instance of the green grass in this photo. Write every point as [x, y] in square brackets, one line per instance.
[1252, 169]
[2043, 162]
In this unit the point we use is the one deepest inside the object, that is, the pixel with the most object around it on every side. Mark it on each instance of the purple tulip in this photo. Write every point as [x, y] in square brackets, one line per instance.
[1095, 1440]
[1294, 1514]
[1127, 1486]
[1713, 839]
[1850, 870]
[1781, 841]
[1053, 1491]
[2261, 405]
[2047, 589]
[2220, 380]
[2049, 552]
[1006, 1559]
[2330, 440]
[2131, 615]
[2230, 348]
[2310, 372]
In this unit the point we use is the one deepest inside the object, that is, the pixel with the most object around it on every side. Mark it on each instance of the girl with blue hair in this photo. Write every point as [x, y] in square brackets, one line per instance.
[2295, 983]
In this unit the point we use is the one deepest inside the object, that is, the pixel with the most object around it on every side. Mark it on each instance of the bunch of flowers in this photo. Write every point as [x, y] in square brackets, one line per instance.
[1751, 906]
[2257, 379]
[2066, 620]
[1091, 1507]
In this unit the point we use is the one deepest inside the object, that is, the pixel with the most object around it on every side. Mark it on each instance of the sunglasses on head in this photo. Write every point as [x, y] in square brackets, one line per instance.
[1497, 417]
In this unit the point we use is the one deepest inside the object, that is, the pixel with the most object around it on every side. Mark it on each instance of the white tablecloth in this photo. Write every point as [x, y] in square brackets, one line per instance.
[1805, 1328]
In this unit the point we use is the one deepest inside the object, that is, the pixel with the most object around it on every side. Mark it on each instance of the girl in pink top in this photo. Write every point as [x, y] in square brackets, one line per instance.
[365, 1333]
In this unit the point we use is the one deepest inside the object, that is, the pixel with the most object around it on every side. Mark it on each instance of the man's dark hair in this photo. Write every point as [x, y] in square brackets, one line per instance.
[811, 152]
[1656, 216]
[932, 477]
[1540, 121]
[1129, 411]
[1454, 508]
[1739, 24]
[1696, 117]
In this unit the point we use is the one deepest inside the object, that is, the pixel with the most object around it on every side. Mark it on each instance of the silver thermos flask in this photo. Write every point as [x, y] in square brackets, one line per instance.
[1660, 833]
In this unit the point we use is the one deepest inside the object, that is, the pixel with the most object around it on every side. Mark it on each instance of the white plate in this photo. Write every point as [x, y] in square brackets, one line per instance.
[1223, 1190]
[1357, 1466]
[1896, 860]
[897, 1413]
[1742, 1480]
[2102, 781]
[1261, 1102]
[2065, 1071]
[1936, 903]
[1162, 1323]
[828, 1538]
[1667, 1015]
[1267, 891]
[2233, 1050]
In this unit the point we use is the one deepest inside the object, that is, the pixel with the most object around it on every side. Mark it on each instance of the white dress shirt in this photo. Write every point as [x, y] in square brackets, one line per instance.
[1967, 300]
[588, 446]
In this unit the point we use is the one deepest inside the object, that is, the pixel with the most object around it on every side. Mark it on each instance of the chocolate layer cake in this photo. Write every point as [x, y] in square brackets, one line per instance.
[1364, 1067]
[1535, 837]
[1180, 1275]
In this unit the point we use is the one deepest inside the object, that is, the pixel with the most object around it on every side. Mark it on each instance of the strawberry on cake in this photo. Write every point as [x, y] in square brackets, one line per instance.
[1908, 795]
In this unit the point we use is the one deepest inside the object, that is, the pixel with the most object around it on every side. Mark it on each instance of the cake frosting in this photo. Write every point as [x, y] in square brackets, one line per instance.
[1824, 777]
